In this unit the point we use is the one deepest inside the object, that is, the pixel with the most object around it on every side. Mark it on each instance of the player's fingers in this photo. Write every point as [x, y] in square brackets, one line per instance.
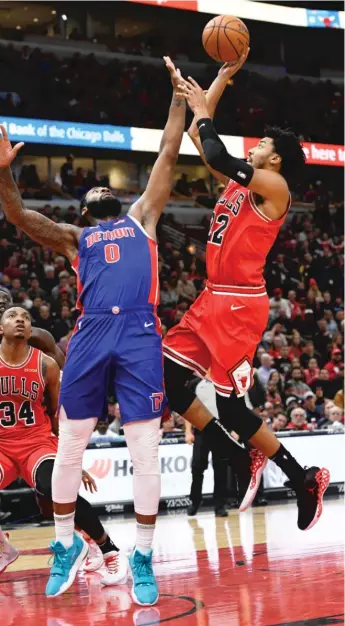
[181, 95]
[193, 82]
[17, 147]
[4, 132]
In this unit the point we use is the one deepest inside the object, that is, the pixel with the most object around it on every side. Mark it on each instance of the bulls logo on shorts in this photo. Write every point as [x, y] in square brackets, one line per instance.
[241, 377]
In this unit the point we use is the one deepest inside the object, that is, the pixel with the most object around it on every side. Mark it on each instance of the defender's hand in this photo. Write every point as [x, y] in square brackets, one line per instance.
[175, 74]
[88, 482]
[7, 153]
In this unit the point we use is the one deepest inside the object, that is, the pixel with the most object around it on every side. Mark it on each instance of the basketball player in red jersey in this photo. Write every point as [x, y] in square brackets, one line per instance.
[39, 338]
[29, 389]
[224, 326]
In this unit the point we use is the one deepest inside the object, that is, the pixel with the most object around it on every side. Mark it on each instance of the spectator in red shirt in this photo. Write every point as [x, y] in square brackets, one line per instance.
[333, 366]
[312, 372]
[296, 347]
[298, 420]
[12, 270]
[272, 394]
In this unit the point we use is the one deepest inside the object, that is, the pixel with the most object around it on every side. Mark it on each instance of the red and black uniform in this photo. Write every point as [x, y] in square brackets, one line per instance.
[26, 437]
[223, 327]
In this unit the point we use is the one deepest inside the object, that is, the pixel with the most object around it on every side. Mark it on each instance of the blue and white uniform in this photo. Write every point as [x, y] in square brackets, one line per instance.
[117, 338]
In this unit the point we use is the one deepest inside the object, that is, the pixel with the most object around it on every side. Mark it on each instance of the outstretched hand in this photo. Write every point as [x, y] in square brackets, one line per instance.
[175, 74]
[228, 70]
[7, 152]
[195, 96]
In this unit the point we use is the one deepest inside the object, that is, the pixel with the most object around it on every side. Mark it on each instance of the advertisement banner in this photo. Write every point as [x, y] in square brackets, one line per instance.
[67, 133]
[316, 153]
[113, 472]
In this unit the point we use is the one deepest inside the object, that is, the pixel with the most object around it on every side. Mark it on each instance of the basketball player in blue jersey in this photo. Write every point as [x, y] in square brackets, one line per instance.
[117, 339]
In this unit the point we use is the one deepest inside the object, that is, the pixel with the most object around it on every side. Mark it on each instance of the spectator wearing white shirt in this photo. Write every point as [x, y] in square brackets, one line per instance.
[278, 303]
[265, 370]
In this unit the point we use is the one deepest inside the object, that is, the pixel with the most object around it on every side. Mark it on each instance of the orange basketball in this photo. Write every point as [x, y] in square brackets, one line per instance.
[225, 38]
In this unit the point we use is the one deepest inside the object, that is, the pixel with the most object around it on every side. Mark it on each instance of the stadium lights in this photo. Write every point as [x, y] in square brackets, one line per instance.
[64, 17]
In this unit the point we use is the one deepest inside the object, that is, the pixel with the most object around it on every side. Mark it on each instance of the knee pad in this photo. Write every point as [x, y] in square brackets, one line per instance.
[179, 396]
[43, 478]
[235, 415]
[142, 440]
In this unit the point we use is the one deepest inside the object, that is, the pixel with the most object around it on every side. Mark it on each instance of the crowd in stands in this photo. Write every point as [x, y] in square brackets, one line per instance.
[35, 83]
[300, 362]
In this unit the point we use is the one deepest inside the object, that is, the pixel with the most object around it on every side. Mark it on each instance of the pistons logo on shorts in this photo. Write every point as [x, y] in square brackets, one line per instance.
[157, 401]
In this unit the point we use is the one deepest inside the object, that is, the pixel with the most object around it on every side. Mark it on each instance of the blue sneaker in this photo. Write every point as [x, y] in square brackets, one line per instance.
[66, 564]
[145, 588]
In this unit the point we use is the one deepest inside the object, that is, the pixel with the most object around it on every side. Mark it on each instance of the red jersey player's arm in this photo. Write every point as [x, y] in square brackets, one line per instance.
[273, 188]
[213, 96]
[51, 375]
[44, 341]
[148, 209]
[62, 238]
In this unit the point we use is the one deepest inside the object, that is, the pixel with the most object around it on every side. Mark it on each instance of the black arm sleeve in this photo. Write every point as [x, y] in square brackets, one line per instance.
[218, 157]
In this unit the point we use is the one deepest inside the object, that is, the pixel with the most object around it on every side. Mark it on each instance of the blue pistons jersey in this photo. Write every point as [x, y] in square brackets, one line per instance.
[116, 345]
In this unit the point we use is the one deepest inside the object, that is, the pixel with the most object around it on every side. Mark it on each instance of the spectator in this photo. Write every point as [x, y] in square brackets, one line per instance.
[275, 333]
[278, 303]
[49, 281]
[336, 419]
[283, 362]
[298, 420]
[322, 382]
[333, 366]
[279, 422]
[67, 175]
[186, 288]
[12, 270]
[312, 372]
[169, 295]
[313, 411]
[45, 320]
[272, 394]
[322, 339]
[65, 324]
[331, 323]
[63, 284]
[308, 352]
[295, 385]
[102, 433]
[265, 369]
[182, 186]
[35, 290]
[296, 345]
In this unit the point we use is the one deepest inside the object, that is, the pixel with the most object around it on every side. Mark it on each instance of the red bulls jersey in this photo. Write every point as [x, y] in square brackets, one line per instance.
[240, 239]
[21, 397]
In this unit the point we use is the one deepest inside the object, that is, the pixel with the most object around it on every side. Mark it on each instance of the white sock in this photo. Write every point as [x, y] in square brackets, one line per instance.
[64, 529]
[144, 537]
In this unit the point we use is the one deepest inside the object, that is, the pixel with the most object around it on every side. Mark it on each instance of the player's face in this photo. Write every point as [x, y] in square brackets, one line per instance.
[96, 195]
[16, 324]
[5, 300]
[263, 154]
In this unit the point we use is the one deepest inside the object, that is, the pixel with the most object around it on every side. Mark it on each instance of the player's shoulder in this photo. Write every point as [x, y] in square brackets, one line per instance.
[50, 367]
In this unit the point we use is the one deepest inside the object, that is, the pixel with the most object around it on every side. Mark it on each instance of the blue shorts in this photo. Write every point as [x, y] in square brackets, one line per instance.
[121, 352]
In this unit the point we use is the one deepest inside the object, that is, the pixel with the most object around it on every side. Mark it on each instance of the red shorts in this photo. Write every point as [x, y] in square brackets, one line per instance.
[220, 333]
[22, 458]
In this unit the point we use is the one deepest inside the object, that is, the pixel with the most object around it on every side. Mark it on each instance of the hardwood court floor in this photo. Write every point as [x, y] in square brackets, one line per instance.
[253, 569]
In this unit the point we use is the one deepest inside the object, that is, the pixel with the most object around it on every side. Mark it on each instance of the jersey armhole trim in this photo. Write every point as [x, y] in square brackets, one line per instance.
[134, 219]
[40, 369]
[262, 215]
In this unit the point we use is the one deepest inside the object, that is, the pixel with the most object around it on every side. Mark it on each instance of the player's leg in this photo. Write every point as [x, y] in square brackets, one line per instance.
[310, 484]
[139, 388]
[83, 389]
[85, 516]
[199, 464]
[8, 473]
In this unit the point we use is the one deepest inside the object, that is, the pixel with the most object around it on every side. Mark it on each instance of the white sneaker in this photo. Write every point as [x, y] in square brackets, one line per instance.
[94, 559]
[116, 566]
[8, 553]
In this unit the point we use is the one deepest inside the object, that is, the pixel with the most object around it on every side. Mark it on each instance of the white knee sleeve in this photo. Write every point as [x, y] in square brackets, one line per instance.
[143, 440]
[74, 436]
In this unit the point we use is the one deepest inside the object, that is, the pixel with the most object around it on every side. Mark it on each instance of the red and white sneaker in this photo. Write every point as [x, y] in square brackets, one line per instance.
[94, 559]
[309, 498]
[116, 566]
[250, 482]
[8, 553]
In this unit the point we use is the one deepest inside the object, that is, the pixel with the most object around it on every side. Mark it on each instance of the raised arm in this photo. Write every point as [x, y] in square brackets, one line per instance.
[150, 205]
[62, 238]
[213, 96]
[268, 184]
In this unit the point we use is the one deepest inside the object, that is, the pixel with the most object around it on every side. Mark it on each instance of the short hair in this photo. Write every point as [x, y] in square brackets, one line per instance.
[297, 408]
[7, 293]
[290, 149]
[13, 306]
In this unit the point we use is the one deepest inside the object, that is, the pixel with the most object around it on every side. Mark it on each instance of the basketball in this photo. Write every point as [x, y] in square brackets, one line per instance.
[225, 38]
